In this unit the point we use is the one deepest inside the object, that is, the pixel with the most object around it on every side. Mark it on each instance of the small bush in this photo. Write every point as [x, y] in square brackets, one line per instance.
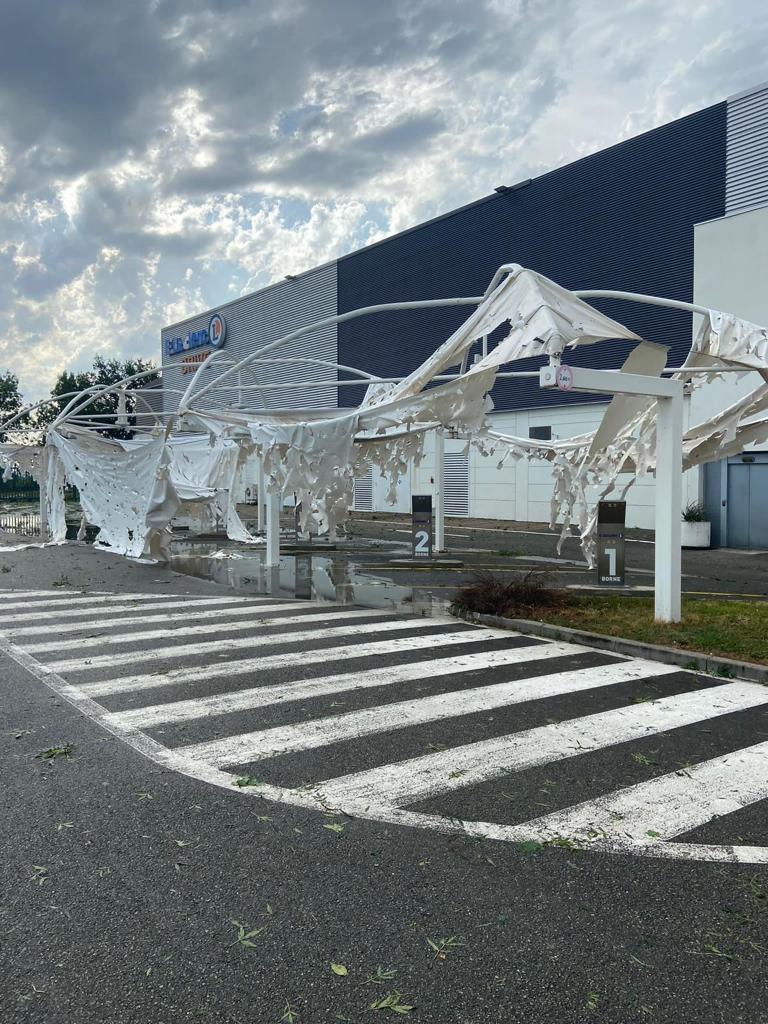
[694, 513]
[517, 597]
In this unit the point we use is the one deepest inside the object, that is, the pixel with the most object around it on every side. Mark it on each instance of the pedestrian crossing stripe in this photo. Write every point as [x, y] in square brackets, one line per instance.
[245, 666]
[644, 818]
[200, 629]
[266, 696]
[288, 739]
[261, 639]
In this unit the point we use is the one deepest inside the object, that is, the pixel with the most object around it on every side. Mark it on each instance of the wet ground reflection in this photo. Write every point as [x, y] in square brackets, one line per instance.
[328, 576]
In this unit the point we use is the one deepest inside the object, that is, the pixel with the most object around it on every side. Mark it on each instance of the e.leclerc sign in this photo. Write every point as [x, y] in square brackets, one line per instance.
[214, 334]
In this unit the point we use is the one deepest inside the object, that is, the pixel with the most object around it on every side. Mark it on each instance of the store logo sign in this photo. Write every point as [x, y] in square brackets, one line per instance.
[217, 330]
[214, 334]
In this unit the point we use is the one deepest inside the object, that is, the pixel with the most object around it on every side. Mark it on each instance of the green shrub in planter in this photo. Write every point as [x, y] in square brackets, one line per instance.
[695, 513]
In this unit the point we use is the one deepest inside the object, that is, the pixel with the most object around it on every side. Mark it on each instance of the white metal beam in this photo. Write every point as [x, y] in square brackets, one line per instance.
[611, 382]
[669, 467]
[273, 502]
[439, 490]
[669, 500]
[261, 511]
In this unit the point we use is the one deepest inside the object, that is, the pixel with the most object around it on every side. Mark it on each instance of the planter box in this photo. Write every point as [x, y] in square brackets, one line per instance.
[695, 535]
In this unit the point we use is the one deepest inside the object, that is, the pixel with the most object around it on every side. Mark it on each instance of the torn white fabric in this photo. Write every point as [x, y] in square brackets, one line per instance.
[131, 489]
[732, 340]
[206, 469]
[543, 319]
[126, 493]
[52, 482]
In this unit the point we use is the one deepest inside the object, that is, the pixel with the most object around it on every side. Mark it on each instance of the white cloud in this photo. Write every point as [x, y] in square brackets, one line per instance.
[213, 151]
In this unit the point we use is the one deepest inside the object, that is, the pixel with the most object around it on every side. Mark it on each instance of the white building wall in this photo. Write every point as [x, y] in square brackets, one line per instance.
[730, 273]
[521, 492]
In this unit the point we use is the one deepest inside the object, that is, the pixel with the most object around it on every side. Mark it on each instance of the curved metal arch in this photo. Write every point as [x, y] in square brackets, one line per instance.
[329, 321]
[97, 392]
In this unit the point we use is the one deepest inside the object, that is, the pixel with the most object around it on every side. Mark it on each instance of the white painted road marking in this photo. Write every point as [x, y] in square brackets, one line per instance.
[256, 746]
[669, 805]
[219, 646]
[618, 822]
[257, 624]
[407, 782]
[264, 696]
[10, 596]
[75, 609]
[201, 614]
[248, 666]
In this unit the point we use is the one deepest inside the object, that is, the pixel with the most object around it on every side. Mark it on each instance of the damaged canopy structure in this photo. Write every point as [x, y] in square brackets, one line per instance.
[131, 490]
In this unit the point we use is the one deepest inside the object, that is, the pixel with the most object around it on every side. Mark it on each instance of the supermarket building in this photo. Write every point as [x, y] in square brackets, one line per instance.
[680, 211]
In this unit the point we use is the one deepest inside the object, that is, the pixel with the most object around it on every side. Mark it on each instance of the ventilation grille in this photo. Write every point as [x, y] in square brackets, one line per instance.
[456, 483]
[364, 493]
[747, 152]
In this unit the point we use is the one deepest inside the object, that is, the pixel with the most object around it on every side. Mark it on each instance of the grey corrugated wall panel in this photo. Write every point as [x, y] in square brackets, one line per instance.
[747, 152]
[257, 319]
[153, 396]
[622, 218]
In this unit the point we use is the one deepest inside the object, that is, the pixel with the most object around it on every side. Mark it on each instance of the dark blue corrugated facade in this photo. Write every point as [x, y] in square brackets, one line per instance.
[622, 218]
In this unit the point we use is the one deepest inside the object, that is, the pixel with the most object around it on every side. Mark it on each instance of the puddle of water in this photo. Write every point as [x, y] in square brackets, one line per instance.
[307, 576]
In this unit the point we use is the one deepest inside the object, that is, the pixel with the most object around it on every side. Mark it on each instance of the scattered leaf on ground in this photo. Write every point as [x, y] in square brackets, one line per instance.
[392, 1001]
[339, 969]
[443, 947]
[244, 936]
[52, 752]
[382, 974]
[529, 847]
[289, 1014]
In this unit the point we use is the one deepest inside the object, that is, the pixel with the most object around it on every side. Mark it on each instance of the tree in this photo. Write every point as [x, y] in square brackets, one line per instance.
[10, 397]
[103, 373]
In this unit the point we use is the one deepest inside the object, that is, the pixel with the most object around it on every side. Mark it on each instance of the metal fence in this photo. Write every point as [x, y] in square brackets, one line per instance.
[22, 488]
[27, 496]
[26, 524]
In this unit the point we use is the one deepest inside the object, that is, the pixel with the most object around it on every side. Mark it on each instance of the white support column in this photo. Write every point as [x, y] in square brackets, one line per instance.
[260, 516]
[669, 463]
[44, 530]
[439, 490]
[273, 530]
[43, 484]
[669, 497]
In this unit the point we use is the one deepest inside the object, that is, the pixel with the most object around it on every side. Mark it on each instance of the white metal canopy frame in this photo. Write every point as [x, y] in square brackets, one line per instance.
[190, 457]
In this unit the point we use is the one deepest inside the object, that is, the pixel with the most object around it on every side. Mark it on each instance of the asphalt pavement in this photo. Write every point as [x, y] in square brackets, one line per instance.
[343, 879]
[500, 547]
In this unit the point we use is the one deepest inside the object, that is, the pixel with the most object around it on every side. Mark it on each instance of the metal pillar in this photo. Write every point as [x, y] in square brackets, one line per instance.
[260, 516]
[44, 530]
[273, 530]
[669, 499]
[669, 465]
[439, 477]
[43, 485]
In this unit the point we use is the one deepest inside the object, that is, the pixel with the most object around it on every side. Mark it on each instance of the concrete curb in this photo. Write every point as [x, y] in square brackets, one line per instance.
[694, 661]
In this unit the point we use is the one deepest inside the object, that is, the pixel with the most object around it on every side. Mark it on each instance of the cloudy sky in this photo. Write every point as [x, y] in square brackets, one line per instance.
[160, 156]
